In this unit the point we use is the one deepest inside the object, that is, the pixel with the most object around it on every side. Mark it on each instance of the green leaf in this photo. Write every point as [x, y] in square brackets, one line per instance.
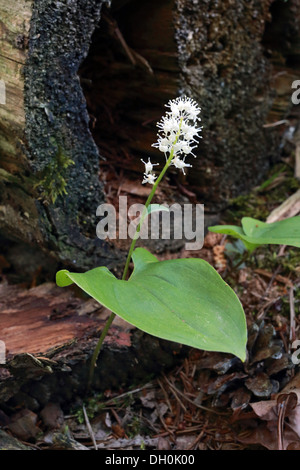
[236, 232]
[182, 300]
[283, 232]
[255, 232]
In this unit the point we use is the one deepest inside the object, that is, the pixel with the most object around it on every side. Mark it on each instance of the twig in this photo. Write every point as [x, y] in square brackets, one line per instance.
[130, 392]
[292, 316]
[271, 282]
[89, 427]
[277, 123]
[281, 250]
[116, 31]
[243, 259]
[191, 447]
[175, 390]
[288, 208]
[149, 423]
[117, 417]
[165, 394]
[169, 431]
[266, 307]
[262, 312]
[280, 423]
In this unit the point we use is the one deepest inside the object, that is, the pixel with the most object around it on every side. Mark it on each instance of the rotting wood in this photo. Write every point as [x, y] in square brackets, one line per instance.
[49, 180]
[50, 335]
[8, 442]
[14, 31]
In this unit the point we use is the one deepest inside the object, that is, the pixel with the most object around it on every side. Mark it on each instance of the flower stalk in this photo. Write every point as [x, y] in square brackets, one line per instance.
[176, 136]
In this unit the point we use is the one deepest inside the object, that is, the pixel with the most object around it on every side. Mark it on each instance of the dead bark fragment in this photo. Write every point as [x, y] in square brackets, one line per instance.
[8, 442]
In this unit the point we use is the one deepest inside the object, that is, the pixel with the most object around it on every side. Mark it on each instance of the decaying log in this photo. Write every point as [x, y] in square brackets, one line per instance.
[7, 442]
[50, 335]
[230, 56]
[49, 176]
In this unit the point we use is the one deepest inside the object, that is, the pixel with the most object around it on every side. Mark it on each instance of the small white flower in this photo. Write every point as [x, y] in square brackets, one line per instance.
[149, 166]
[169, 125]
[177, 147]
[192, 110]
[149, 178]
[184, 106]
[163, 144]
[190, 132]
[164, 147]
[180, 164]
[186, 148]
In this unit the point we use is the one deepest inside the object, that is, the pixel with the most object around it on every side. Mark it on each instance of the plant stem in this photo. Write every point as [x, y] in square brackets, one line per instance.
[128, 259]
[98, 348]
[144, 213]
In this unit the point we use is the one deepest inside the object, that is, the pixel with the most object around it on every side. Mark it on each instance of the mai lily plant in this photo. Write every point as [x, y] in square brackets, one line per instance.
[255, 233]
[181, 300]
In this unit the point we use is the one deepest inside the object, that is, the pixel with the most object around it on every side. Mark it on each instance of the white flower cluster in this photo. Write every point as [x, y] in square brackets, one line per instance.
[177, 135]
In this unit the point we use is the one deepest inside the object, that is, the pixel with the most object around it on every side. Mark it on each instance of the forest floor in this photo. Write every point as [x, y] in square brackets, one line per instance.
[210, 401]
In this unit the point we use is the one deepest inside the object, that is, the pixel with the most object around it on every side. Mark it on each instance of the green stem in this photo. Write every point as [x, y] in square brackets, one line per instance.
[131, 249]
[98, 348]
[144, 213]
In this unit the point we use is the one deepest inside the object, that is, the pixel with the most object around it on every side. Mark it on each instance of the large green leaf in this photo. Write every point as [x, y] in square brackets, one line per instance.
[182, 300]
[283, 232]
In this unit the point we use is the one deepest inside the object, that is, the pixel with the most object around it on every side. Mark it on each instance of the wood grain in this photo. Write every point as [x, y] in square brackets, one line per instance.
[14, 31]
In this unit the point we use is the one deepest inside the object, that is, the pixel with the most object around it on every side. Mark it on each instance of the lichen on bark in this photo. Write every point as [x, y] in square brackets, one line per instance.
[224, 67]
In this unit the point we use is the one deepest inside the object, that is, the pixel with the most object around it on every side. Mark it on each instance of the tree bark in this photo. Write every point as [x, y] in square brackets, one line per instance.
[49, 178]
[226, 55]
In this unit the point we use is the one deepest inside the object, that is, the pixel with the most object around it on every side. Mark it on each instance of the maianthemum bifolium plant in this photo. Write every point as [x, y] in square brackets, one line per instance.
[255, 233]
[181, 300]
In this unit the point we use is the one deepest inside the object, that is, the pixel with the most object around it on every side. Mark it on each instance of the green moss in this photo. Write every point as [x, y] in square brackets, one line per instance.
[258, 204]
[93, 405]
[9, 178]
[266, 257]
[251, 205]
[134, 427]
[52, 180]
